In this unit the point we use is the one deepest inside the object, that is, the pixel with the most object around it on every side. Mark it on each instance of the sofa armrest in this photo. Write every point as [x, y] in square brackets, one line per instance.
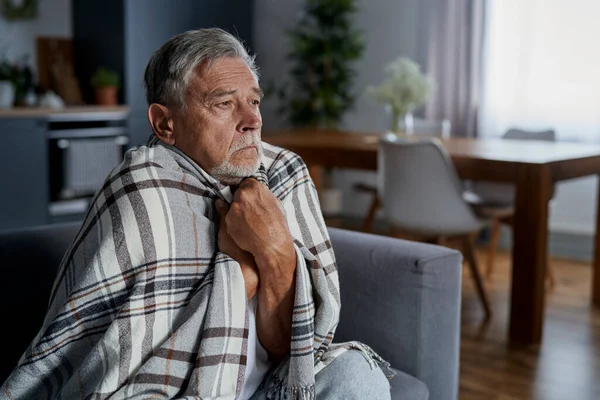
[403, 299]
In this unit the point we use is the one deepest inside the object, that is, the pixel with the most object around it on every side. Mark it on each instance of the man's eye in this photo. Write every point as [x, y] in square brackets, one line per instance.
[255, 102]
[225, 103]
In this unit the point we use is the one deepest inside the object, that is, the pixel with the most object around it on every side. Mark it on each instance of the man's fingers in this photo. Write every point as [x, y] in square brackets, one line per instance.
[222, 208]
[248, 182]
[248, 189]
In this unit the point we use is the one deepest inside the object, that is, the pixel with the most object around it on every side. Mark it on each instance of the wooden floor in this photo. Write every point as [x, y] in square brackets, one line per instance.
[567, 363]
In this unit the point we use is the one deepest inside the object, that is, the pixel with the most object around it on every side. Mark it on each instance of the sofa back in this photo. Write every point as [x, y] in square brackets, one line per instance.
[29, 259]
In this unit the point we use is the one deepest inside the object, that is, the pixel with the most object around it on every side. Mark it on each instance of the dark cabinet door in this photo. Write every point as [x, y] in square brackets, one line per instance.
[150, 23]
[24, 165]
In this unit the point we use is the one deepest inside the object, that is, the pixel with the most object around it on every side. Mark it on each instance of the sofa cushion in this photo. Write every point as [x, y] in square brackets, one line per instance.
[407, 387]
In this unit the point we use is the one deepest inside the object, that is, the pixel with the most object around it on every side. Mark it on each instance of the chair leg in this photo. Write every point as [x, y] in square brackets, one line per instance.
[492, 247]
[368, 222]
[472, 261]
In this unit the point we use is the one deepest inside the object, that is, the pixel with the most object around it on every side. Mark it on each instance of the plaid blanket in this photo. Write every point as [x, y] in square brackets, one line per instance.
[145, 306]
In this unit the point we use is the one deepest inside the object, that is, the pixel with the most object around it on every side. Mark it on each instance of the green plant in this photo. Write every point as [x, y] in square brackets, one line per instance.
[19, 10]
[104, 77]
[324, 45]
[20, 75]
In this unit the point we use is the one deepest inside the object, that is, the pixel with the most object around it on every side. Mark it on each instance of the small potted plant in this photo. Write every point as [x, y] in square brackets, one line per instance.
[106, 86]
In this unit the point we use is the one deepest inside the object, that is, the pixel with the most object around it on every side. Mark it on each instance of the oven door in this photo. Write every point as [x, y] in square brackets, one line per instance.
[80, 161]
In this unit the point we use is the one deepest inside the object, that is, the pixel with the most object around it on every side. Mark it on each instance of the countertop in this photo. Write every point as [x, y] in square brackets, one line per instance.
[74, 111]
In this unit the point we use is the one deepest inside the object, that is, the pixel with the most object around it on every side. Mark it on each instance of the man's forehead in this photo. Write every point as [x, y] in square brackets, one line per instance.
[223, 69]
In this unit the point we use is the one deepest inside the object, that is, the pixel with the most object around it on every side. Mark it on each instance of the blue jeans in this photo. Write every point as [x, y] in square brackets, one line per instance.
[348, 377]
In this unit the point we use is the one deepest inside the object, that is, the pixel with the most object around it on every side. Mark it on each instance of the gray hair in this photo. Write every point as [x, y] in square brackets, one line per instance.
[170, 68]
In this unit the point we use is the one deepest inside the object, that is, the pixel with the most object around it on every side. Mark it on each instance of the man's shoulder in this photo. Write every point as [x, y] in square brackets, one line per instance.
[143, 164]
[152, 157]
[286, 171]
[274, 157]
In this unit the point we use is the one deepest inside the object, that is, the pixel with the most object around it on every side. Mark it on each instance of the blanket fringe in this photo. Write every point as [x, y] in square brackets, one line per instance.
[303, 393]
[281, 391]
[277, 388]
[374, 359]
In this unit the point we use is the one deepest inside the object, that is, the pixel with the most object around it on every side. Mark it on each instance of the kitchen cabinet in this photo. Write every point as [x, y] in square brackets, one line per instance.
[24, 166]
[41, 161]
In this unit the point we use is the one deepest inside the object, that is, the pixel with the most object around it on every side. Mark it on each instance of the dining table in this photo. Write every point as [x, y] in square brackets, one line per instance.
[532, 166]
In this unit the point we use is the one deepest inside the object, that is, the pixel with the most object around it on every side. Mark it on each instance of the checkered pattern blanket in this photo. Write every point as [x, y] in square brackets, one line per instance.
[145, 306]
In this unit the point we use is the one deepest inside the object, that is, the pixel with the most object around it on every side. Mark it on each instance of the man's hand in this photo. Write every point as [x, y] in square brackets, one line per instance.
[244, 258]
[257, 224]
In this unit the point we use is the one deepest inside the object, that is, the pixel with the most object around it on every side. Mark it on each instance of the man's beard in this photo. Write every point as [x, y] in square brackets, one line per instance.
[230, 174]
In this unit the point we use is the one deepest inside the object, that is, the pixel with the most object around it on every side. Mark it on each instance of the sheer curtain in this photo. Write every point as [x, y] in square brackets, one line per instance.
[541, 68]
[453, 43]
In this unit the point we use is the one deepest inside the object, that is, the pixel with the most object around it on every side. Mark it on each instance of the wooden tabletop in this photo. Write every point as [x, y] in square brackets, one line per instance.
[499, 157]
[507, 150]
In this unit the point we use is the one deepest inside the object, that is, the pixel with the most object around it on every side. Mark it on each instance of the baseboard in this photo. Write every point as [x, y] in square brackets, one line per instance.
[572, 246]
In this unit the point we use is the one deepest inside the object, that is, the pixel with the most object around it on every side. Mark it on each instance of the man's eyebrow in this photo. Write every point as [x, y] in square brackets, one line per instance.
[259, 92]
[215, 94]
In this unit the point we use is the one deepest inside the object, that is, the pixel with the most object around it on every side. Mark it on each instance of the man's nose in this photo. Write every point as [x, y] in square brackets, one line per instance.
[250, 120]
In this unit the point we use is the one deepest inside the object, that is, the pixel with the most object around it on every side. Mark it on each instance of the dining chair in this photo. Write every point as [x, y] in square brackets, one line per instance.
[421, 128]
[496, 201]
[421, 195]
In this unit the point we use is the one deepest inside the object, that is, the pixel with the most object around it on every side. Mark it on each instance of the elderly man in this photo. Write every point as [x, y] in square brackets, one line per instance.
[203, 268]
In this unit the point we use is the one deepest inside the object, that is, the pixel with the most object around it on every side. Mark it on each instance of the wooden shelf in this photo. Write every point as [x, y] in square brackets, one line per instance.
[40, 112]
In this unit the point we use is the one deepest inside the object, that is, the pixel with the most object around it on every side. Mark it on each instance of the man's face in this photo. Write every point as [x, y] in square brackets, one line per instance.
[220, 126]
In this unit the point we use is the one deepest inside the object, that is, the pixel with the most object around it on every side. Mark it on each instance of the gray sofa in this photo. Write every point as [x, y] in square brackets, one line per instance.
[401, 298]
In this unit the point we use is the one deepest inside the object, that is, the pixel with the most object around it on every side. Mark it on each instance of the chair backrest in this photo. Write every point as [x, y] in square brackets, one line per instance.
[420, 189]
[514, 133]
[431, 128]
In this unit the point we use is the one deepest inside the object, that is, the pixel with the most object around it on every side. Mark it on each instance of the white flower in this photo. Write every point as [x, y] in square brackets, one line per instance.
[404, 88]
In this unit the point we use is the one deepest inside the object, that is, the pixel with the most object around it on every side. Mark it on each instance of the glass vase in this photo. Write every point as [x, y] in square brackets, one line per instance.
[402, 123]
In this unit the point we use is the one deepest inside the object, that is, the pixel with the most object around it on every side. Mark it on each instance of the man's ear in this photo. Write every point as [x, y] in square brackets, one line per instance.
[162, 123]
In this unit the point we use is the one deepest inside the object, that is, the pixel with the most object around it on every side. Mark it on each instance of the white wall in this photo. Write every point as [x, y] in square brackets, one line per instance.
[573, 210]
[18, 37]
[271, 19]
[390, 29]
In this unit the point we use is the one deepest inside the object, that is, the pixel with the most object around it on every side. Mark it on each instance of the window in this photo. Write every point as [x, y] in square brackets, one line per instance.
[541, 68]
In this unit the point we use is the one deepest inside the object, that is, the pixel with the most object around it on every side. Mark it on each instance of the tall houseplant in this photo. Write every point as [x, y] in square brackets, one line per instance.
[323, 47]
